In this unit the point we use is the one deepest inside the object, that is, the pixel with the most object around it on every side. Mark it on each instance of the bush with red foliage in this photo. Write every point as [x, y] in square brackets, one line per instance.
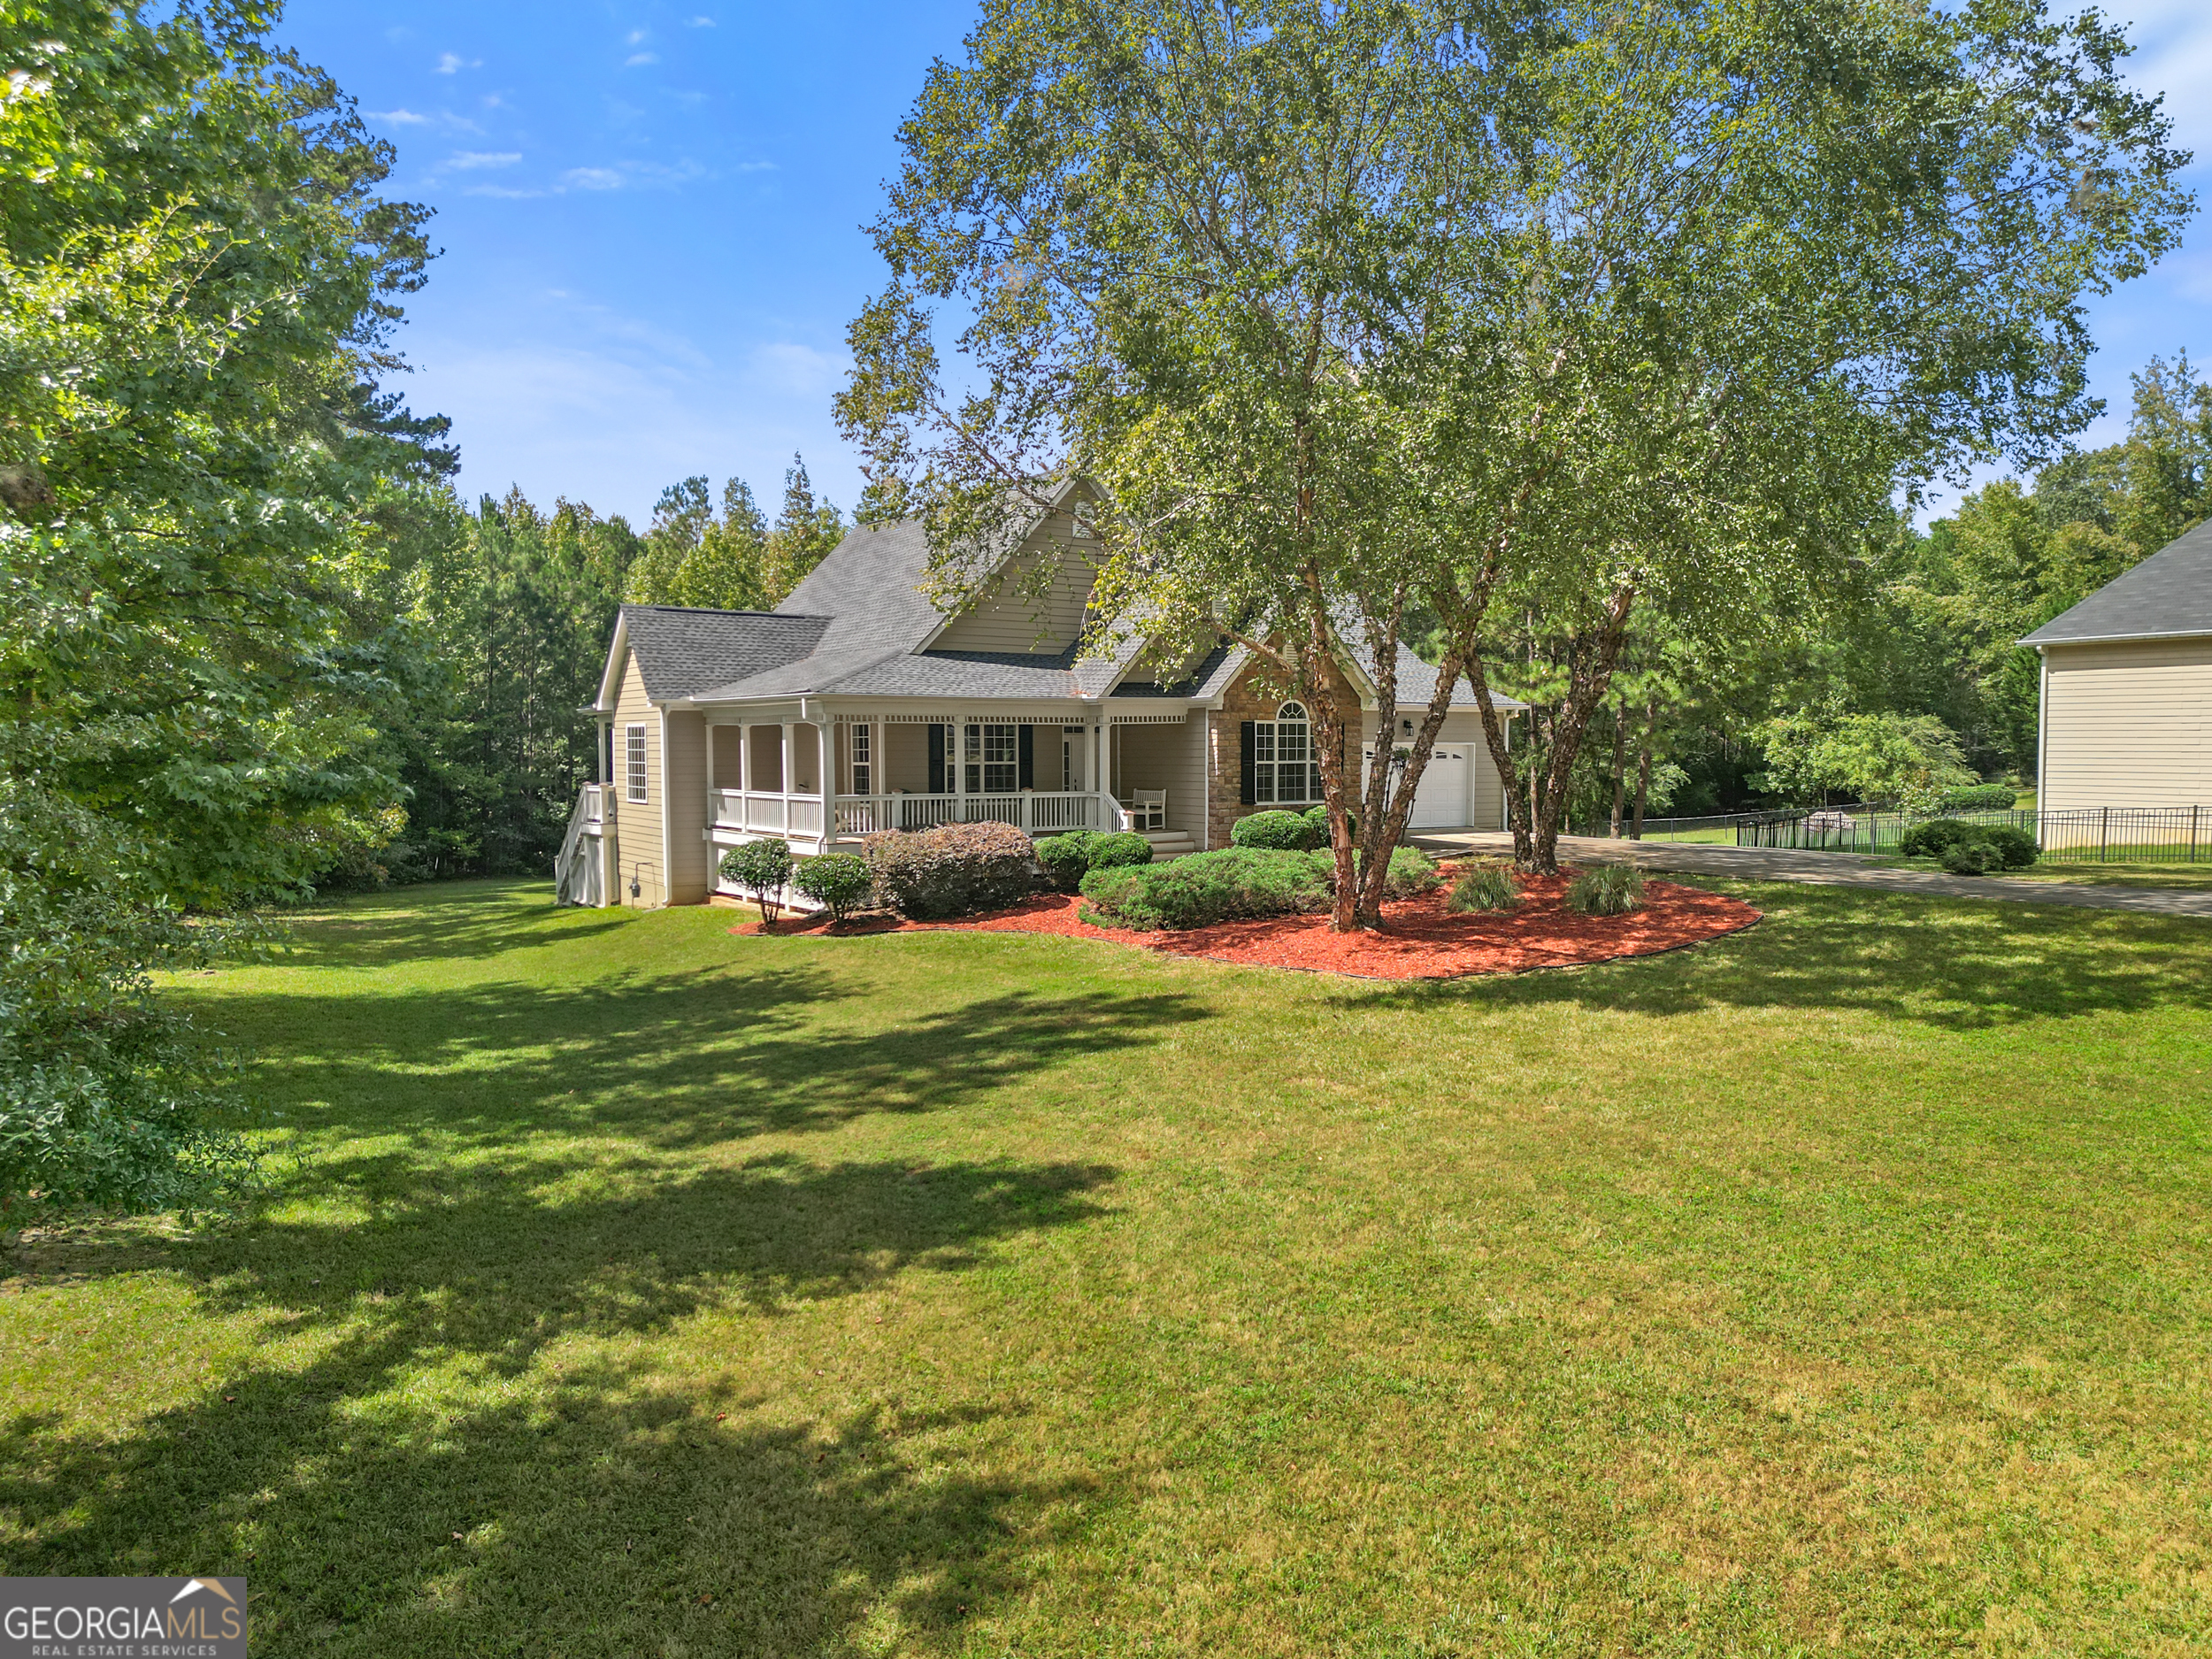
[954, 870]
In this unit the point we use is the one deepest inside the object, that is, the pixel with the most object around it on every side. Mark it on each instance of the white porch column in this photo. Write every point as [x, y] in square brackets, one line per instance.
[827, 731]
[783, 774]
[958, 761]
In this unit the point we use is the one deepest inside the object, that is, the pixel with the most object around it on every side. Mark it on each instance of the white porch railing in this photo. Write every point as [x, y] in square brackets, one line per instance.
[1036, 812]
[770, 813]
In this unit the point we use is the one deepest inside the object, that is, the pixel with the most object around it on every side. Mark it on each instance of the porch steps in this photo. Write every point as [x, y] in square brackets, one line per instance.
[1169, 843]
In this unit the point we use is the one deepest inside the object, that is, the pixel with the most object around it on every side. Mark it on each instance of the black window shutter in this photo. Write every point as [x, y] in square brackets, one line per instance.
[1026, 755]
[937, 760]
[1244, 770]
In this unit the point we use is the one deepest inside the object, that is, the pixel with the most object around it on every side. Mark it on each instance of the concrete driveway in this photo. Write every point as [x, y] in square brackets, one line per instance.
[1847, 870]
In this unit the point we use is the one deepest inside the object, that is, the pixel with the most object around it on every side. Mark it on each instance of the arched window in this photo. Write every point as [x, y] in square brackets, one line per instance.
[1284, 771]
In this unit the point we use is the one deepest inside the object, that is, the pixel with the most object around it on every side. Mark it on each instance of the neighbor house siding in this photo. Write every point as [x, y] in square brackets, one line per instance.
[639, 852]
[2127, 724]
[1014, 617]
[686, 808]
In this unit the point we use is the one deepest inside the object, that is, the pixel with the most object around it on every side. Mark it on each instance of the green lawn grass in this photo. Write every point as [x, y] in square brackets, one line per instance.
[2182, 877]
[630, 1289]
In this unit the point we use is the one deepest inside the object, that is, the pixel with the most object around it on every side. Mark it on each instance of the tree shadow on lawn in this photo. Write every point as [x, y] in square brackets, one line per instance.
[678, 1060]
[1958, 965]
[599, 1507]
[439, 921]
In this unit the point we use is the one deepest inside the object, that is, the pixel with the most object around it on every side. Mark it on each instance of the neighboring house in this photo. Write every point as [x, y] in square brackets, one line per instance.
[2127, 687]
[857, 706]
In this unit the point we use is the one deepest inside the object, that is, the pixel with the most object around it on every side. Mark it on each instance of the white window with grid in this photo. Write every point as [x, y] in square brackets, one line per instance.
[1284, 770]
[861, 746]
[634, 761]
[991, 755]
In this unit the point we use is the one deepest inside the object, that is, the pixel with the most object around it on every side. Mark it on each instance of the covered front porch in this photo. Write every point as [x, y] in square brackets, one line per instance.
[826, 781]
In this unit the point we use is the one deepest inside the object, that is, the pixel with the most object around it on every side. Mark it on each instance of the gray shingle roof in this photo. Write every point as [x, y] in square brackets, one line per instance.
[2168, 594]
[681, 651]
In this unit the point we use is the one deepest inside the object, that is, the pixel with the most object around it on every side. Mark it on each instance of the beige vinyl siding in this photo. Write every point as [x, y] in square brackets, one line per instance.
[1015, 617]
[2128, 725]
[638, 827]
[684, 808]
[1170, 757]
[902, 756]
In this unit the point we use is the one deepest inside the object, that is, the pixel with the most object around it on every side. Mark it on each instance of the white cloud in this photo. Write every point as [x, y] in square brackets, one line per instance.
[448, 62]
[636, 58]
[635, 37]
[592, 179]
[402, 118]
[504, 193]
[753, 167]
[700, 23]
[474, 158]
[788, 366]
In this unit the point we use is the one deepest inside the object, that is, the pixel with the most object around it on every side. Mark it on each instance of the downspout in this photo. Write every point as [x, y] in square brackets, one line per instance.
[665, 815]
[2042, 733]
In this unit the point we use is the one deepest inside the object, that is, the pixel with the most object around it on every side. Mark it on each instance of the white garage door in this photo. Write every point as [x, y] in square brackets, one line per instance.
[1441, 803]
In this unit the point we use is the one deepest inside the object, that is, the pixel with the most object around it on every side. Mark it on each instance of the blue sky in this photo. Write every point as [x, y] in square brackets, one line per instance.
[651, 216]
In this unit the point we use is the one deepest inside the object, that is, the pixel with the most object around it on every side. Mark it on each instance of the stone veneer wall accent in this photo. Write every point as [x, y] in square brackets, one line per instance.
[1252, 695]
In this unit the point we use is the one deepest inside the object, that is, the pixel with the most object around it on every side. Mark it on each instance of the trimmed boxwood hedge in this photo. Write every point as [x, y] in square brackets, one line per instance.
[1981, 797]
[1068, 858]
[1276, 832]
[1233, 884]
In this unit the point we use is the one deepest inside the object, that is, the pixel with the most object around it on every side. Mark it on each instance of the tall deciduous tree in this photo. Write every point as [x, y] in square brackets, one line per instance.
[198, 282]
[1179, 231]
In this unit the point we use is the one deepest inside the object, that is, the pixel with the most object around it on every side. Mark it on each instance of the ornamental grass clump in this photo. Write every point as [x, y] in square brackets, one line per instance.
[1487, 886]
[1606, 890]
[1235, 883]
[838, 882]
[760, 869]
[954, 870]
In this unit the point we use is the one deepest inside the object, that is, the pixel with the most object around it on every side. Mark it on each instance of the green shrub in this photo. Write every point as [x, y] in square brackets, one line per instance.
[1276, 832]
[953, 870]
[838, 882]
[761, 868]
[1935, 837]
[1317, 826]
[2018, 846]
[1412, 873]
[1973, 856]
[1119, 850]
[1067, 858]
[1981, 797]
[1233, 884]
[2011, 848]
[1487, 886]
[1606, 890]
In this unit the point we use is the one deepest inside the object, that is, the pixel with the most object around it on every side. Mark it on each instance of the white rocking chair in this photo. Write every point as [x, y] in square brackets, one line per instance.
[1146, 809]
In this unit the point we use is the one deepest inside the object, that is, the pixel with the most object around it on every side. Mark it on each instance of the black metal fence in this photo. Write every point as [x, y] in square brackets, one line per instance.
[2115, 835]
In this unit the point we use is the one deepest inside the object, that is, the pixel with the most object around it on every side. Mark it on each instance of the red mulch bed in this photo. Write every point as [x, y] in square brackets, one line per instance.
[1421, 939]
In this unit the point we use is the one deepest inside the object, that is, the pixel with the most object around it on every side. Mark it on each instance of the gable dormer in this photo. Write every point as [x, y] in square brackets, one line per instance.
[1035, 604]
